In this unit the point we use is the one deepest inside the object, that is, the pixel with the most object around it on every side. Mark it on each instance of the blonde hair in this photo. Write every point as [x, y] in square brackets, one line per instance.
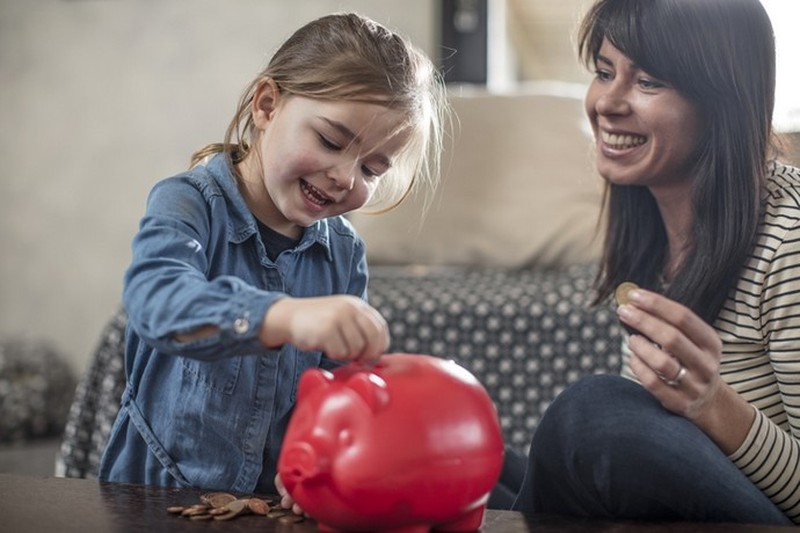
[350, 57]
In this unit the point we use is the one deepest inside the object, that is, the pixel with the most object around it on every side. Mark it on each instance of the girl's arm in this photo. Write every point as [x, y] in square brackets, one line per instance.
[175, 299]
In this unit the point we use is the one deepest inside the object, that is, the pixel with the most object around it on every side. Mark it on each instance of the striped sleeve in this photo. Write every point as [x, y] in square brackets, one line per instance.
[770, 455]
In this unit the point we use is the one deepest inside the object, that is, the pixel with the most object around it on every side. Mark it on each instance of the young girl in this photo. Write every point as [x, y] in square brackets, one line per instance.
[244, 271]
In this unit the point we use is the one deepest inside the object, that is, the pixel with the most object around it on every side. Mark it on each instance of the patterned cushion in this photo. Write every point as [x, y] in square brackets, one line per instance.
[36, 385]
[525, 334]
[95, 405]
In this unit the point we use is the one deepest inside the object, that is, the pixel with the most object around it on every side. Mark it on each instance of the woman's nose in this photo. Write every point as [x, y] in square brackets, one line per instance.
[614, 100]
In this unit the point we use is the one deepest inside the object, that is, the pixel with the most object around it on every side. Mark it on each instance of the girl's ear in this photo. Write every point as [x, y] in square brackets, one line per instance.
[265, 102]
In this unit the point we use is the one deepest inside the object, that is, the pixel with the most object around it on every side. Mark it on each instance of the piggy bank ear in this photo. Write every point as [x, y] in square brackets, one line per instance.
[372, 389]
[313, 378]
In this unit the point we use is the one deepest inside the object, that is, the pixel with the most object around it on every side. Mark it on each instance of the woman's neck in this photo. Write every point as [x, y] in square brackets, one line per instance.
[676, 212]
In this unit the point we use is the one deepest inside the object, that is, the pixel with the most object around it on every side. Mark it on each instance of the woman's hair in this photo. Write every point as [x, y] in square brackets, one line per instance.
[720, 55]
[349, 57]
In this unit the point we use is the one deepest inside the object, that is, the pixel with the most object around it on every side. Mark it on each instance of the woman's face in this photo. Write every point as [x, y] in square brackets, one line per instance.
[646, 132]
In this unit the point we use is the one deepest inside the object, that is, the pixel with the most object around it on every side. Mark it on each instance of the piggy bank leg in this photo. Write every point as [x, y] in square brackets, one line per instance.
[470, 521]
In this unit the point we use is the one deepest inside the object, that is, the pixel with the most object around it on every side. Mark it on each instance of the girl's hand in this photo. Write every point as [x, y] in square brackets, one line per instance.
[677, 356]
[344, 327]
[286, 500]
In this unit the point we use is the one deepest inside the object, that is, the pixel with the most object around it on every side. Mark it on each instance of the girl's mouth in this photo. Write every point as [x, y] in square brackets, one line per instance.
[620, 141]
[314, 195]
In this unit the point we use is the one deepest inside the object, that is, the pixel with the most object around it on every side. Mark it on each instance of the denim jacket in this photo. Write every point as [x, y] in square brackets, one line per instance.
[212, 413]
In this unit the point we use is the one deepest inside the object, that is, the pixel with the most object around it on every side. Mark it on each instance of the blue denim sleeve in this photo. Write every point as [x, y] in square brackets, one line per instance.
[187, 273]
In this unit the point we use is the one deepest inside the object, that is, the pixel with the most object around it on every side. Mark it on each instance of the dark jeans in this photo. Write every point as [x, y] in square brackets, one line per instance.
[606, 448]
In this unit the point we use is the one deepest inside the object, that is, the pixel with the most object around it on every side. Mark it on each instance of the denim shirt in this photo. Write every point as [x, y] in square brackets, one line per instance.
[211, 413]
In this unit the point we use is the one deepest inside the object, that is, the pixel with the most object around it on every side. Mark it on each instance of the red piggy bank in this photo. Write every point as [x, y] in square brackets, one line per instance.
[411, 444]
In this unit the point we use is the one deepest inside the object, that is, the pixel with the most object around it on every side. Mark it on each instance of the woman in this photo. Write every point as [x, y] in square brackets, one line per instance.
[707, 427]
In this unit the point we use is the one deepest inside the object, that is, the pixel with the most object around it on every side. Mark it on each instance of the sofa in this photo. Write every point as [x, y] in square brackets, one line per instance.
[494, 270]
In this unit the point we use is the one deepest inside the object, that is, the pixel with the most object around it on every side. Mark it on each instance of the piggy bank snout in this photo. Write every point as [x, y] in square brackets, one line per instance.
[301, 462]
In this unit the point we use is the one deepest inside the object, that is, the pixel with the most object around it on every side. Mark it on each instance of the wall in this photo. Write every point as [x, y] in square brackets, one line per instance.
[98, 100]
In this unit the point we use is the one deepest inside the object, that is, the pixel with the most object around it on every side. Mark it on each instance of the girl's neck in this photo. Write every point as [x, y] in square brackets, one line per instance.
[251, 186]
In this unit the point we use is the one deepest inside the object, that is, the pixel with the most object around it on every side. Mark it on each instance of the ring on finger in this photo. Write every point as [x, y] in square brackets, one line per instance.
[674, 382]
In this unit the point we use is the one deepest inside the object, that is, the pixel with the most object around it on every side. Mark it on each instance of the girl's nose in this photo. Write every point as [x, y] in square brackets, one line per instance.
[343, 175]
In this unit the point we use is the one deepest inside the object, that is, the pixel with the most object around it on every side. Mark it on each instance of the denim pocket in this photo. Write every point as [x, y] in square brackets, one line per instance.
[220, 376]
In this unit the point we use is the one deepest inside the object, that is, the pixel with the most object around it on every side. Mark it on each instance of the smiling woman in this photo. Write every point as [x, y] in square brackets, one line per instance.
[702, 218]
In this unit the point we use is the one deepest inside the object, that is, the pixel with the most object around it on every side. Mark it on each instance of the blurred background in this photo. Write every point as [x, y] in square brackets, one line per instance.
[99, 99]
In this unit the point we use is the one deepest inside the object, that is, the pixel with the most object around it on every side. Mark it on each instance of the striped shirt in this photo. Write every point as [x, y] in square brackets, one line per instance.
[760, 329]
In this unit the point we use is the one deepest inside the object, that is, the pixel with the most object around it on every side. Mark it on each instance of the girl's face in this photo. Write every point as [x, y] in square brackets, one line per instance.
[646, 132]
[318, 158]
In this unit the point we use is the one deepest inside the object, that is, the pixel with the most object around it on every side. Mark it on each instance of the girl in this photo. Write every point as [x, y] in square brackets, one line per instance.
[245, 273]
[708, 425]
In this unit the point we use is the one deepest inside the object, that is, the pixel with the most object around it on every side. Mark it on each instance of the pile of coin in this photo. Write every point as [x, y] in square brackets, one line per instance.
[225, 506]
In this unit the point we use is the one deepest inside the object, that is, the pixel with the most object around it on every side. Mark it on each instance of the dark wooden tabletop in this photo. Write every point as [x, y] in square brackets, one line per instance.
[41, 505]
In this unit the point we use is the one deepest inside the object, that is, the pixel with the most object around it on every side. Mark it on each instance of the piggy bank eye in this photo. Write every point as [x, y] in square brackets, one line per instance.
[345, 437]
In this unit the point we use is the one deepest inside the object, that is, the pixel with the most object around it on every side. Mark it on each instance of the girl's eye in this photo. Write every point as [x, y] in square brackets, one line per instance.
[368, 172]
[329, 144]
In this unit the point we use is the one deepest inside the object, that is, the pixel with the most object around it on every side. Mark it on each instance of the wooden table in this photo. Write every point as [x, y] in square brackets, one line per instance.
[43, 505]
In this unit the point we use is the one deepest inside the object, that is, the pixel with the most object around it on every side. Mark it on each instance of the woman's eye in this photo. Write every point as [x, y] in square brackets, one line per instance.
[603, 75]
[647, 83]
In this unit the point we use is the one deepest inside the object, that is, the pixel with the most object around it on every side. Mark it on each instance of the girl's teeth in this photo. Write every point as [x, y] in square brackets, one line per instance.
[622, 141]
[314, 194]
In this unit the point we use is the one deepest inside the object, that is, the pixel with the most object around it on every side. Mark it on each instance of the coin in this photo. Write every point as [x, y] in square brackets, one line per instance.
[217, 499]
[258, 506]
[623, 290]
[195, 510]
[290, 519]
[234, 508]
[225, 506]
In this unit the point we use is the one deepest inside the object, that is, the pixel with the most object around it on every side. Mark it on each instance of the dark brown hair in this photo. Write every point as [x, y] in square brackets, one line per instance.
[720, 54]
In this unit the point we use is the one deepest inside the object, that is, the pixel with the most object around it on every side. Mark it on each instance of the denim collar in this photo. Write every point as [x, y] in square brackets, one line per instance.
[242, 223]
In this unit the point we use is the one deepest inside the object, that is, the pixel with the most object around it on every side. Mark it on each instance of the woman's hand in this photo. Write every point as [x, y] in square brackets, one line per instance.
[677, 356]
[286, 500]
[346, 328]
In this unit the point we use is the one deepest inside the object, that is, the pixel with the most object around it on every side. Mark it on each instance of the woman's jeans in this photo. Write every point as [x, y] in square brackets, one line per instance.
[606, 448]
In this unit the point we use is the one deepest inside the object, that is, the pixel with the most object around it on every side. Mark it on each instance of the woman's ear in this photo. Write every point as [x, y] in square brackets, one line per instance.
[265, 101]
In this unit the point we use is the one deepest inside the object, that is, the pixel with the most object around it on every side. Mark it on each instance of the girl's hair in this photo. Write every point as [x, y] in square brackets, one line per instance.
[719, 54]
[349, 57]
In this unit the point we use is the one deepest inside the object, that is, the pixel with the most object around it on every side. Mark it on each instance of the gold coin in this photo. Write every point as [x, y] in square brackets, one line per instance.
[624, 288]
[175, 509]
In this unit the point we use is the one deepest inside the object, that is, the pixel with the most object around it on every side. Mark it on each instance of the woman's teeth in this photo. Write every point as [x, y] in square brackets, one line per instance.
[313, 194]
[622, 141]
